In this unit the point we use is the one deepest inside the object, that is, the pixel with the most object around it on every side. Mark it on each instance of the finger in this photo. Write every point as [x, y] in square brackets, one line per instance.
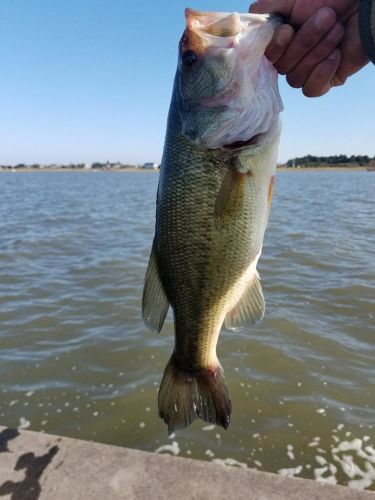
[338, 80]
[283, 7]
[353, 55]
[300, 74]
[279, 43]
[320, 80]
[309, 35]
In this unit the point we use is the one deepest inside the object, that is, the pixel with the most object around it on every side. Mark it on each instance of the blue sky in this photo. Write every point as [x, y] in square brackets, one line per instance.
[90, 80]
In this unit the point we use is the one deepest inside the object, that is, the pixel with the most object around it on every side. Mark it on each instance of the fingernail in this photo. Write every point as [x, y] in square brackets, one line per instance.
[324, 18]
[284, 36]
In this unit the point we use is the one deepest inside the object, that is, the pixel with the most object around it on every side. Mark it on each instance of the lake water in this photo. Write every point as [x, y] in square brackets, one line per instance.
[76, 359]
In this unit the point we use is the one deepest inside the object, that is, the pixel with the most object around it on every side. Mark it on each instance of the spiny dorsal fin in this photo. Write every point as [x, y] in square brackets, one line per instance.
[155, 303]
[249, 309]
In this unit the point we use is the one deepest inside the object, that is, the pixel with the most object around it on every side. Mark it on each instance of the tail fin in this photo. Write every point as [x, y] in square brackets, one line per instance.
[184, 396]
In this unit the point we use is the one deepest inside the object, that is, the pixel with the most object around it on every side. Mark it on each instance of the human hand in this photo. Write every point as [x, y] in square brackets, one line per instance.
[319, 47]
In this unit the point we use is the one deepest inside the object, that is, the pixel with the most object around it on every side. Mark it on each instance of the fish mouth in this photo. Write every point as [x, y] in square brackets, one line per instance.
[259, 139]
[201, 27]
[242, 144]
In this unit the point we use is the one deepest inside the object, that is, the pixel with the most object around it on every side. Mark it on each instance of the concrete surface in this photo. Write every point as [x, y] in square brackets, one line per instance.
[40, 466]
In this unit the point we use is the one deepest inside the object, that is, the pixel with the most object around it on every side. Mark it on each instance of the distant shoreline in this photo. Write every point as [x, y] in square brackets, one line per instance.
[143, 170]
[321, 169]
[76, 170]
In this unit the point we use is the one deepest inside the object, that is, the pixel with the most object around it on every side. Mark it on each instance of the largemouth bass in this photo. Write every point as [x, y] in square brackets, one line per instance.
[213, 201]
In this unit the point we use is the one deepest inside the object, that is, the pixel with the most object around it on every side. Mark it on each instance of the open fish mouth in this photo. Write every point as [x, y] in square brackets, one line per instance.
[225, 24]
[242, 144]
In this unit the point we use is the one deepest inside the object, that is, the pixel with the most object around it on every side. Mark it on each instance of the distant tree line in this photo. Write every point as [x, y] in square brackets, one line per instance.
[317, 161]
[70, 166]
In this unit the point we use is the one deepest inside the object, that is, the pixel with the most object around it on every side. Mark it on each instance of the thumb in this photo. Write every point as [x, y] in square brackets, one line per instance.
[283, 7]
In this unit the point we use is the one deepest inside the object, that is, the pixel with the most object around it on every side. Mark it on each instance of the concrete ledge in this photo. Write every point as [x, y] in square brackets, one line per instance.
[40, 466]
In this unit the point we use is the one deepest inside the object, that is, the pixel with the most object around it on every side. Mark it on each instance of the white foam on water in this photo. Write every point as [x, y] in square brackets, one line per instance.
[229, 461]
[314, 442]
[208, 428]
[320, 476]
[290, 452]
[24, 424]
[173, 448]
[209, 453]
[360, 484]
[28, 394]
[291, 471]
[349, 457]
[321, 460]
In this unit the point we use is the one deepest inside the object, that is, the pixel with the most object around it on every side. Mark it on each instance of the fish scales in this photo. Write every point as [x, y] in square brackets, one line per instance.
[212, 210]
[193, 250]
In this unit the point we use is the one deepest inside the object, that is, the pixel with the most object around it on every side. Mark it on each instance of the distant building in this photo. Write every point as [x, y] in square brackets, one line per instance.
[151, 166]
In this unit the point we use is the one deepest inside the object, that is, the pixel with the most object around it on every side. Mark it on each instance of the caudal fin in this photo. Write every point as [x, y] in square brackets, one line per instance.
[183, 397]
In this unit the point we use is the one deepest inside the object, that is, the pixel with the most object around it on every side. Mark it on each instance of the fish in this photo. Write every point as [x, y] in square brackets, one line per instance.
[213, 201]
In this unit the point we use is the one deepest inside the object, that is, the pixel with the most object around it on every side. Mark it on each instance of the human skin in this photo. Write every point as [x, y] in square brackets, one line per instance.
[319, 45]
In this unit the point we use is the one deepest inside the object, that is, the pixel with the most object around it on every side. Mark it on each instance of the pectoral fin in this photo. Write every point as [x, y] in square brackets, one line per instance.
[155, 303]
[230, 197]
[250, 307]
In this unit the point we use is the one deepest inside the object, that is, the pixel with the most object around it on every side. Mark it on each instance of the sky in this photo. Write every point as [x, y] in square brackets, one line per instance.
[91, 80]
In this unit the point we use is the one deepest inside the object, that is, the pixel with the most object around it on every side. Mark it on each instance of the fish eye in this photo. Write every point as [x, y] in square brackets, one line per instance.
[189, 57]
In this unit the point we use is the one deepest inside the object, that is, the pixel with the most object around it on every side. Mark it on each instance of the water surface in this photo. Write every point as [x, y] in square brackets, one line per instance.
[76, 359]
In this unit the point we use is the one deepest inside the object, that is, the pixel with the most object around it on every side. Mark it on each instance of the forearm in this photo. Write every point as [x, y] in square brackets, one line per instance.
[367, 26]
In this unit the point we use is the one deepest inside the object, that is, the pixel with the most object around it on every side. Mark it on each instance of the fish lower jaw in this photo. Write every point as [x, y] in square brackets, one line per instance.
[243, 144]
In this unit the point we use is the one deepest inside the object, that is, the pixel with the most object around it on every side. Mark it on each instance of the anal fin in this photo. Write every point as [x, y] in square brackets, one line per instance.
[155, 303]
[250, 307]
